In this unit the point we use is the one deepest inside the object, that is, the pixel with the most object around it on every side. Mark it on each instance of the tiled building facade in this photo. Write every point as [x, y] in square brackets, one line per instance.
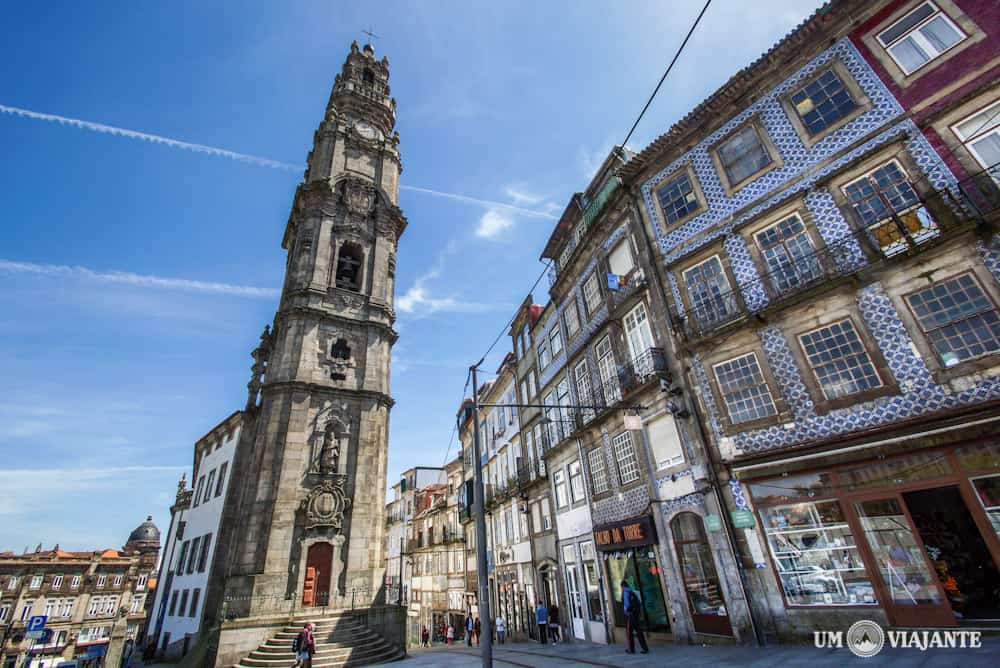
[764, 387]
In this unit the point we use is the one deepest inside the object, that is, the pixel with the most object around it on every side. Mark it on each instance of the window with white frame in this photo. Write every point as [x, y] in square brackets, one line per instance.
[919, 37]
[26, 609]
[565, 255]
[197, 492]
[639, 337]
[744, 389]
[12, 583]
[958, 319]
[743, 154]
[980, 134]
[95, 605]
[577, 490]
[628, 463]
[57, 582]
[598, 470]
[136, 604]
[552, 415]
[559, 487]
[562, 397]
[51, 607]
[620, 259]
[36, 582]
[607, 371]
[555, 338]
[839, 360]
[572, 315]
[118, 580]
[209, 484]
[94, 634]
[74, 582]
[525, 394]
[543, 354]
[546, 514]
[711, 296]
[592, 294]
[789, 254]
[4, 612]
[581, 375]
[66, 607]
[140, 582]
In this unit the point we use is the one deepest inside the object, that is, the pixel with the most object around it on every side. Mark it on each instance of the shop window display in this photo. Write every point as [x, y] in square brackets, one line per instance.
[816, 556]
[988, 491]
[592, 580]
[901, 562]
[639, 567]
[701, 581]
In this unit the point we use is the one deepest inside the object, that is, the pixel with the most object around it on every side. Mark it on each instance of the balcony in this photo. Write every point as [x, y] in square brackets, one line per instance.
[886, 228]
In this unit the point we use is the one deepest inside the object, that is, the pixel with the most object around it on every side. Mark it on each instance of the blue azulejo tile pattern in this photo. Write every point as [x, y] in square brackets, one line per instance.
[991, 255]
[696, 500]
[795, 157]
[918, 392]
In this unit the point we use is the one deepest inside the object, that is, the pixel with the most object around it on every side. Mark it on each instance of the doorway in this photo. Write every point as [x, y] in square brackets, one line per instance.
[961, 558]
[319, 567]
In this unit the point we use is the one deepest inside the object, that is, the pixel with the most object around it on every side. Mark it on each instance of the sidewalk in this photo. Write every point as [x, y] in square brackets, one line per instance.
[532, 655]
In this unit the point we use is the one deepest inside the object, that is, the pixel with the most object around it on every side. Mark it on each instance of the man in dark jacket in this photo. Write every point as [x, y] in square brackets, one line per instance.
[305, 646]
[632, 603]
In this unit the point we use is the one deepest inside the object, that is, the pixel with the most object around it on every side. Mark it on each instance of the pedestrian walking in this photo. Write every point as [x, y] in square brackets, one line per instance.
[425, 638]
[477, 628]
[554, 631]
[633, 605]
[449, 635]
[542, 619]
[469, 628]
[501, 627]
[305, 646]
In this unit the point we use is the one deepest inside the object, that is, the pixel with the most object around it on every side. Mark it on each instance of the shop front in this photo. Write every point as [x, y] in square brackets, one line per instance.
[585, 608]
[629, 551]
[914, 534]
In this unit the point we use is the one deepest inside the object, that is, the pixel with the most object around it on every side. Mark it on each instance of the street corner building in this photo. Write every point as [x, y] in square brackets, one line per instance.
[302, 529]
[764, 386]
[95, 603]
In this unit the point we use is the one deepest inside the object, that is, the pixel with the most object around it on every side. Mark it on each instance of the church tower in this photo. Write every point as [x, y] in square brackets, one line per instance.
[303, 524]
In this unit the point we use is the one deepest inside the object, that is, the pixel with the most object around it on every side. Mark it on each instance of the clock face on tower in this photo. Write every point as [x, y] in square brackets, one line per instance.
[367, 131]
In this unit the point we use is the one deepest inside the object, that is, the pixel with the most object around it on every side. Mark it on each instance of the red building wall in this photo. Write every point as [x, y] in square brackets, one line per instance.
[986, 15]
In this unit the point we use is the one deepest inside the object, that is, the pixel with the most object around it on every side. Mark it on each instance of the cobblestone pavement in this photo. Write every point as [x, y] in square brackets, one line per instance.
[532, 655]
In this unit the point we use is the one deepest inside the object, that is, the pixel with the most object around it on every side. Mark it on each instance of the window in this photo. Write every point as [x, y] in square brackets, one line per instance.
[839, 360]
[95, 605]
[744, 390]
[195, 595]
[101, 581]
[525, 395]
[598, 472]
[180, 560]
[572, 315]
[349, 262]
[193, 556]
[208, 486]
[743, 155]
[677, 198]
[712, 299]
[57, 582]
[555, 338]
[110, 605]
[980, 134]
[4, 612]
[697, 568]
[173, 605]
[822, 102]
[958, 319]
[882, 197]
[36, 582]
[12, 583]
[920, 37]
[96, 633]
[628, 465]
[559, 484]
[664, 441]
[118, 580]
[543, 354]
[592, 294]
[184, 603]
[576, 488]
[607, 371]
[26, 610]
[197, 492]
[789, 254]
[640, 339]
[74, 583]
[140, 582]
[66, 607]
[51, 606]
[620, 260]
[546, 514]
[206, 542]
[581, 374]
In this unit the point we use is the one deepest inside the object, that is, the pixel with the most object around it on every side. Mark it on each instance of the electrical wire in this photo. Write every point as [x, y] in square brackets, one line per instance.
[506, 328]
[669, 67]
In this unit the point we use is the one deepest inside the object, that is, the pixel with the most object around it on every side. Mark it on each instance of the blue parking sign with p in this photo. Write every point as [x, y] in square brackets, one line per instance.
[36, 623]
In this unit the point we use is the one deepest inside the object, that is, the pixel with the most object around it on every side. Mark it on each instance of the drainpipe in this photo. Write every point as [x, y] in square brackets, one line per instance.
[728, 527]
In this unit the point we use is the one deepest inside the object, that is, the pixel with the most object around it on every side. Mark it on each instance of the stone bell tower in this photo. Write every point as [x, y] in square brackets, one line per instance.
[303, 524]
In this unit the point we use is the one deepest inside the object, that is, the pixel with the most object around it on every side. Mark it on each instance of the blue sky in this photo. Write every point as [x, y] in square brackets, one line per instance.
[135, 277]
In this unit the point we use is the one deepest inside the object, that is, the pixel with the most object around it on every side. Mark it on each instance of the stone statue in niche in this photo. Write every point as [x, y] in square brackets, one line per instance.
[329, 454]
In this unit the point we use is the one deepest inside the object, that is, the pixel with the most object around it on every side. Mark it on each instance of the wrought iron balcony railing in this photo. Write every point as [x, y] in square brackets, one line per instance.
[886, 228]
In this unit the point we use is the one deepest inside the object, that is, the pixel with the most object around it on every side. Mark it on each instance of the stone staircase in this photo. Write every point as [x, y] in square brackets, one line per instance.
[340, 642]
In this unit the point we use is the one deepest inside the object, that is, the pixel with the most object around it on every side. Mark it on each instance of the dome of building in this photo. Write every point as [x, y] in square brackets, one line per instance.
[144, 535]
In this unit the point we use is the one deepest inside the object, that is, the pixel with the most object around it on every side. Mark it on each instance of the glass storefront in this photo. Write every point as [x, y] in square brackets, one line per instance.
[639, 567]
[918, 534]
[701, 581]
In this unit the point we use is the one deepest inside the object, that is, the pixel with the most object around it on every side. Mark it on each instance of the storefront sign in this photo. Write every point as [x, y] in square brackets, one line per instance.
[742, 519]
[630, 533]
[713, 522]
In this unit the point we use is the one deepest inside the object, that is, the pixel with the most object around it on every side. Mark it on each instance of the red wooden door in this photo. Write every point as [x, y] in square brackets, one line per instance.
[319, 567]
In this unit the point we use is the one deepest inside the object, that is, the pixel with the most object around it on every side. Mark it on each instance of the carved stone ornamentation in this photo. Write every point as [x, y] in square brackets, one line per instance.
[359, 197]
[326, 503]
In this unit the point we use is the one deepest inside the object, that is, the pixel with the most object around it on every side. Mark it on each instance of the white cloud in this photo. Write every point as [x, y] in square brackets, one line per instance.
[482, 202]
[521, 196]
[136, 280]
[420, 302]
[494, 223]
